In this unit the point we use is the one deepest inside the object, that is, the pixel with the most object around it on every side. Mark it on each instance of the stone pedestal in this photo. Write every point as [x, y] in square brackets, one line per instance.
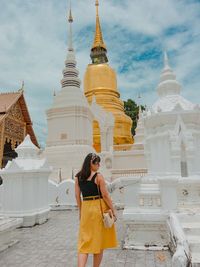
[143, 215]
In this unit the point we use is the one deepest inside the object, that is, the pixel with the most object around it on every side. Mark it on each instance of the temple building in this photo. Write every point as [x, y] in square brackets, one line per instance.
[100, 80]
[15, 124]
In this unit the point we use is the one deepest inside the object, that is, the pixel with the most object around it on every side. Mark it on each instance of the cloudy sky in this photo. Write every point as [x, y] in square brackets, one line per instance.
[33, 43]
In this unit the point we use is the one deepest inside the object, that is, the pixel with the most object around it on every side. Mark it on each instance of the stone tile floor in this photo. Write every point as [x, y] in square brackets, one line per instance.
[53, 244]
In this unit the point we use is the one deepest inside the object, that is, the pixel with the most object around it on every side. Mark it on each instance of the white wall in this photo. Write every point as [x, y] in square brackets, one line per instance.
[133, 159]
[62, 195]
[66, 158]
[72, 123]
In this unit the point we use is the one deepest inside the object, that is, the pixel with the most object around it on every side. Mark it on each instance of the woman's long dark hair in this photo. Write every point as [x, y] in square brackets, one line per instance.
[85, 171]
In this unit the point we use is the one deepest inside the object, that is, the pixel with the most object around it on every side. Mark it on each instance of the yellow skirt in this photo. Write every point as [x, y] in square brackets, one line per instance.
[93, 236]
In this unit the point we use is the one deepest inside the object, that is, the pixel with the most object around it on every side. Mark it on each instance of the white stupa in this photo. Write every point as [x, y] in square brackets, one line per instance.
[171, 129]
[139, 133]
[163, 205]
[69, 121]
[169, 92]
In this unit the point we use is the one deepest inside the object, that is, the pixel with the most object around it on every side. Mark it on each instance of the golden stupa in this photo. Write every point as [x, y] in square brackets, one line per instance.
[100, 80]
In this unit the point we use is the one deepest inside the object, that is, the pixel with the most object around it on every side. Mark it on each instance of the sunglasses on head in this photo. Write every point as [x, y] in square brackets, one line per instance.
[93, 156]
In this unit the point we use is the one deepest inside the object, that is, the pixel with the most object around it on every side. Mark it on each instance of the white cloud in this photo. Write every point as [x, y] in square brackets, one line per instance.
[33, 38]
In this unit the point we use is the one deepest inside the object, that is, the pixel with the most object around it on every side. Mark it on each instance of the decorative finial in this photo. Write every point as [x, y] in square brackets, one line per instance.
[140, 109]
[166, 60]
[98, 51]
[70, 19]
[168, 84]
[98, 39]
[72, 173]
[70, 73]
[139, 105]
[22, 88]
[139, 99]
[60, 175]
[97, 8]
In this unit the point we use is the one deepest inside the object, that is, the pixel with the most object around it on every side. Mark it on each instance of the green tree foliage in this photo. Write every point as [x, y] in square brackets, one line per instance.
[132, 110]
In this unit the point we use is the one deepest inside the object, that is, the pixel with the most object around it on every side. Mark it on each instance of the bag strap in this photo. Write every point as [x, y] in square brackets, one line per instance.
[100, 201]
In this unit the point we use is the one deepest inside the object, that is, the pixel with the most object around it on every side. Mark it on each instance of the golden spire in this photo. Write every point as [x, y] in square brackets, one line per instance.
[98, 38]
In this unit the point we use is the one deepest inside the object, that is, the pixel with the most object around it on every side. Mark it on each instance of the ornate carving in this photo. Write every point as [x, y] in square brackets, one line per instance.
[150, 201]
[16, 112]
[14, 129]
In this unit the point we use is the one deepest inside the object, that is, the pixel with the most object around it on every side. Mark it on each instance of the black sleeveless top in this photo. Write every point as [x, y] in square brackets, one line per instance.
[89, 188]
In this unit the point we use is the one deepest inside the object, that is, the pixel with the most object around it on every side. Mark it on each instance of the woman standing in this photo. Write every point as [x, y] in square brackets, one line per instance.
[93, 236]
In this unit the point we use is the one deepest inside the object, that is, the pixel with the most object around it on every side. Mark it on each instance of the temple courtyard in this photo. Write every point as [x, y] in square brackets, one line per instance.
[53, 244]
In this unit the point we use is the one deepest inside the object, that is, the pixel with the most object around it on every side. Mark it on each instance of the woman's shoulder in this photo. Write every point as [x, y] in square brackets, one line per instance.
[99, 176]
[76, 179]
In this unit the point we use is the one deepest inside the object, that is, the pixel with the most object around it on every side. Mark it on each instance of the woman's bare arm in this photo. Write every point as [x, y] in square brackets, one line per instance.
[102, 184]
[78, 195]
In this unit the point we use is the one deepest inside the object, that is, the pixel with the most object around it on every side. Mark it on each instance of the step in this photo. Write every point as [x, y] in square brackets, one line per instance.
[191, 225]
[189, 217]
[7, 223]
[196, 259]
[7, 227]
[191, 228]
[194, 243]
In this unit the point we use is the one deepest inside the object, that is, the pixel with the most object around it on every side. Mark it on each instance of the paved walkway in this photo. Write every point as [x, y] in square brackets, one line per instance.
[53, 244]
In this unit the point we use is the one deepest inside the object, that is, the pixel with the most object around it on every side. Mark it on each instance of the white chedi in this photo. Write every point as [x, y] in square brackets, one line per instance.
[172, 151]
[139, 135]
[25, 185]
[171, 125]
[70, 121]
[169, 91]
